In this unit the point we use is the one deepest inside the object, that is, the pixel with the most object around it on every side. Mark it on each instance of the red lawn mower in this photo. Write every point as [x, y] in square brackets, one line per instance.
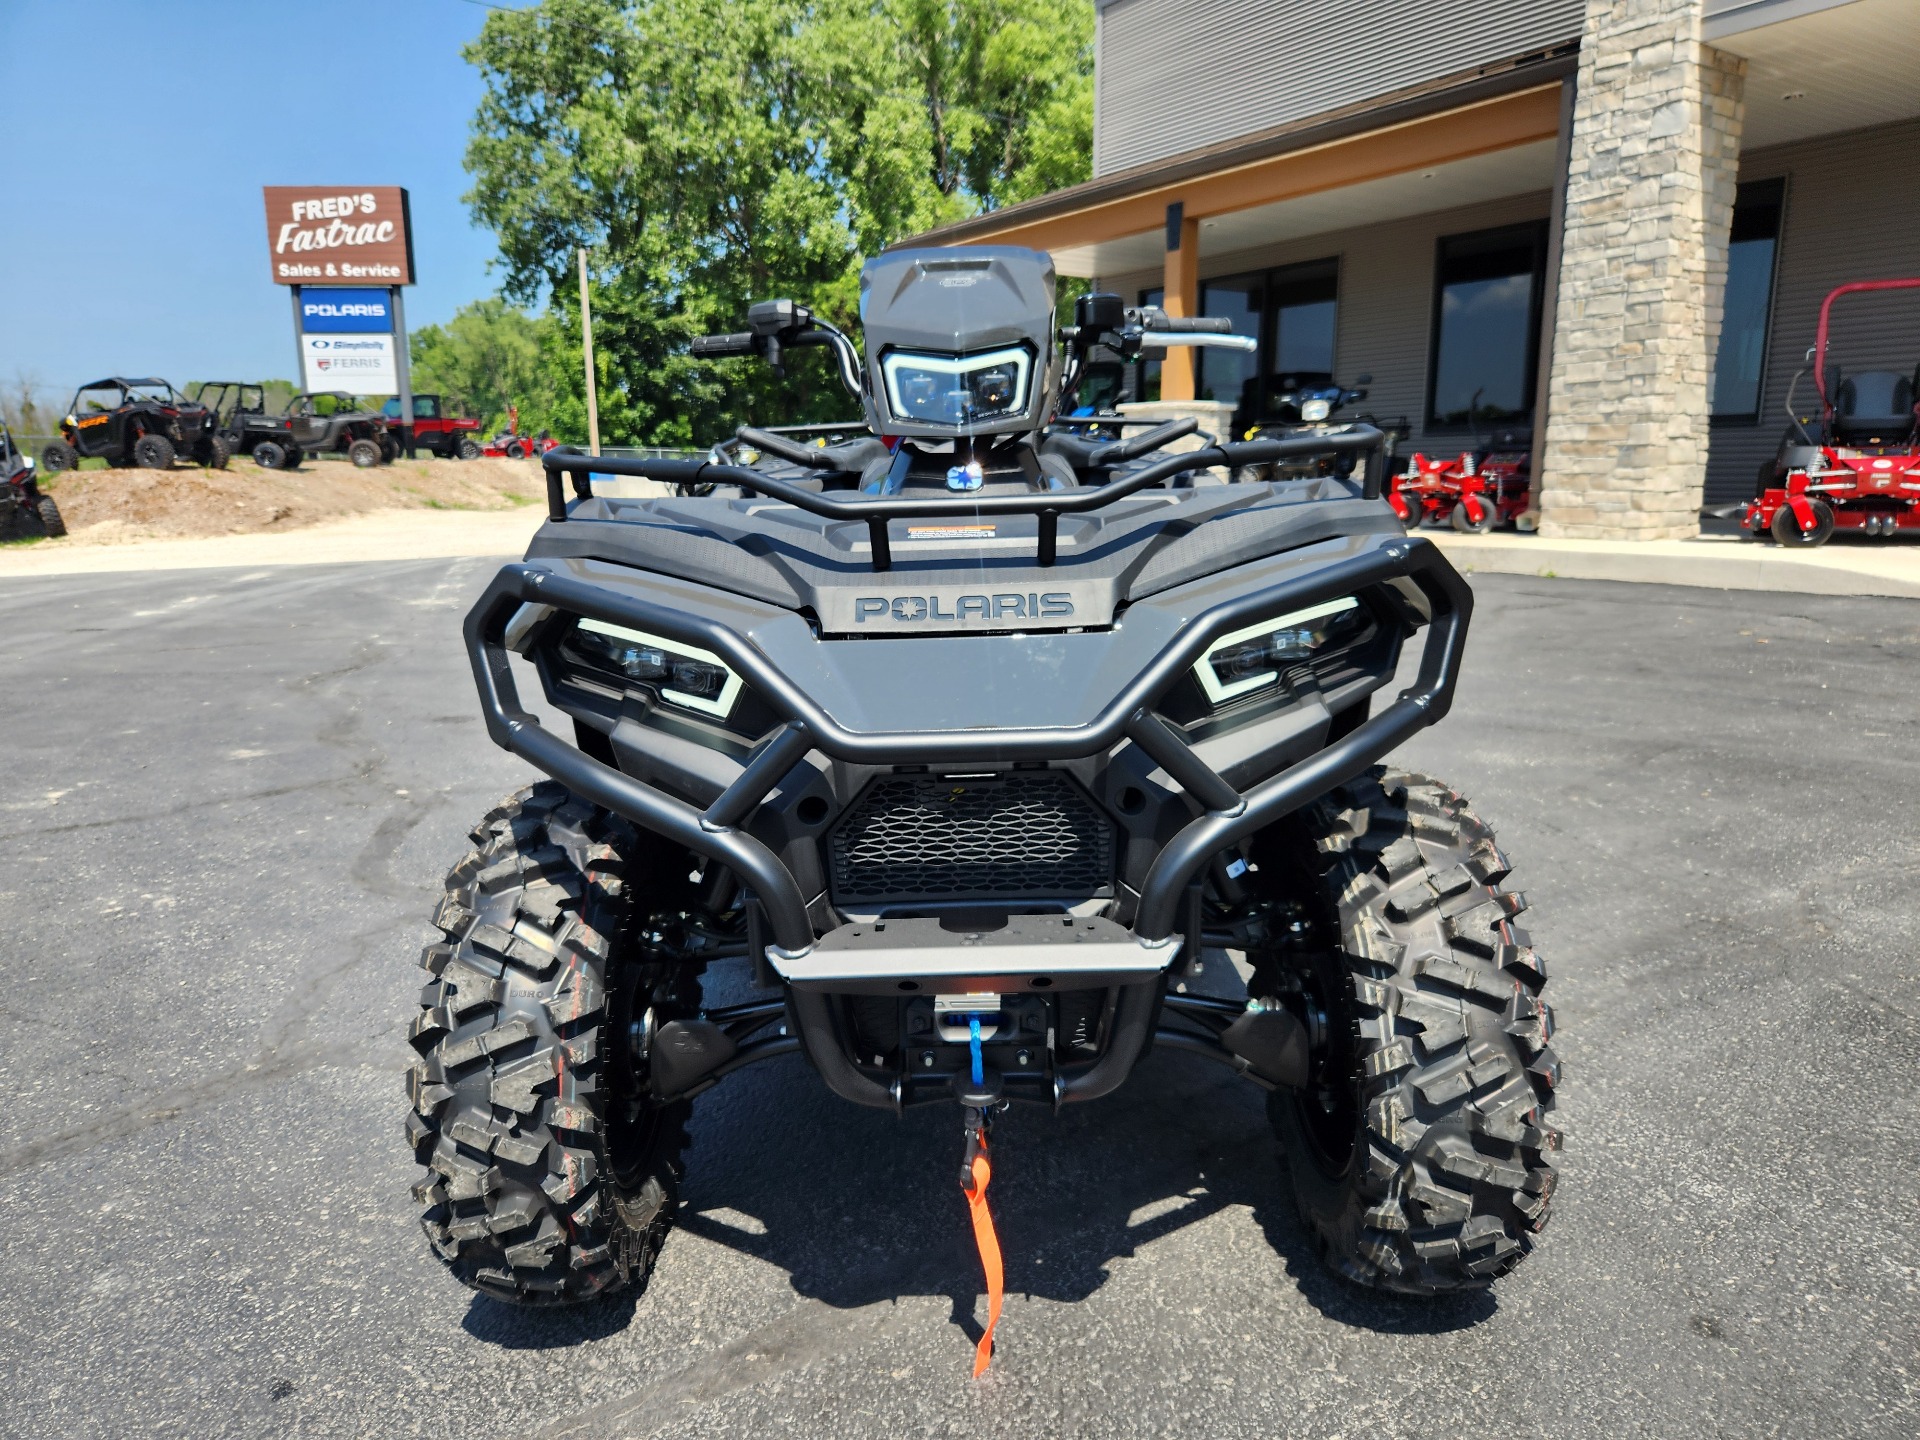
[1858, 468]
[512, 445]
[1475, 491]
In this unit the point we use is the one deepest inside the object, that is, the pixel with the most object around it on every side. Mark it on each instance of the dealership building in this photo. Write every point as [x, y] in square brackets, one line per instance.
[1610, 222]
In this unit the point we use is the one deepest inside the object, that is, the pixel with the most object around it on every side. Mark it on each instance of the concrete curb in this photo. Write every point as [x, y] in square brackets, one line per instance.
[377, 535]
[1713, 562]
[382, 535]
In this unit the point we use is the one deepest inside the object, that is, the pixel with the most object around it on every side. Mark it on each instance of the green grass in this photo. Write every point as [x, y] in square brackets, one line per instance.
[24, 540]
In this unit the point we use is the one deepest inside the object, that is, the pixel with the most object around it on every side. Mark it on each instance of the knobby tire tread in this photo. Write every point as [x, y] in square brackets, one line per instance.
[515, 1102]
[1451, 1179]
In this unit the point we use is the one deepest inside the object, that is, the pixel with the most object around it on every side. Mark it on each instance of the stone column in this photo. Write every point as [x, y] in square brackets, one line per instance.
[1215, 417]
[1650, 182]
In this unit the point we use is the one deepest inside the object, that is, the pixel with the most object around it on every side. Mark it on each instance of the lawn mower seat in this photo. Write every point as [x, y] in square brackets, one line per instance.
[1873, 407]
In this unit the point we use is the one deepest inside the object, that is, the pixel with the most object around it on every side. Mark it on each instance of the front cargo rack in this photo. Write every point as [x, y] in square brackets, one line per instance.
[877, 511]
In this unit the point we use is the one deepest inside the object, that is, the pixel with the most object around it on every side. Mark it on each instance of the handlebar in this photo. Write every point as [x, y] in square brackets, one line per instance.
[718, 345]
[1194, 325]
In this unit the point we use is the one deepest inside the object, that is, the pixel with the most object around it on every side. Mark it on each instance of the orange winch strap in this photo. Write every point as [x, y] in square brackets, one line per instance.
[989, 1245]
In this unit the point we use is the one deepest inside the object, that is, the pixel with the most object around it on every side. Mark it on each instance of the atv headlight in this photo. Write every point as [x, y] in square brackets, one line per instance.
[683, 674]
[958, 390]
[1313, 411]
[1248, 659]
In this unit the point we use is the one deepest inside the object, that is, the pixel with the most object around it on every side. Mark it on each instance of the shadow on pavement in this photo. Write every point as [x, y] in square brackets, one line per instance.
[858, 1206]
[519, 1327]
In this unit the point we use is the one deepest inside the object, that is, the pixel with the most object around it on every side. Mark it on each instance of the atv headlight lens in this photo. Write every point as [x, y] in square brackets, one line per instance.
[1313, 411]
[683, 674]
[958, 390]
[1248, 659]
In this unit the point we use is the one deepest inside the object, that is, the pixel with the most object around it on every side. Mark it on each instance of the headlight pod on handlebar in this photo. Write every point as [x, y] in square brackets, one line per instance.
[958, 390]
[682, 674]
[1250, 659]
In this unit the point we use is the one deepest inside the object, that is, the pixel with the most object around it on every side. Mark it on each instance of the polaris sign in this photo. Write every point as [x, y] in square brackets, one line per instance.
[346, 312]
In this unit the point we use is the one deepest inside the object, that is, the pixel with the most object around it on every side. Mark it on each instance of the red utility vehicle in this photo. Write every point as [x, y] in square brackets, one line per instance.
[451, 437]
[1475, 491]
[1858, 468]
[511, 444]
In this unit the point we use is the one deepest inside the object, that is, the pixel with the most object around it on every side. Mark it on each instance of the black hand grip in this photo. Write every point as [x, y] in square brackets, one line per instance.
[717, 345]
[1200, 325]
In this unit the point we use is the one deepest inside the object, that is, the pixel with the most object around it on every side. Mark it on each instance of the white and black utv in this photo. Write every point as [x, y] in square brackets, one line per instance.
[969, 737]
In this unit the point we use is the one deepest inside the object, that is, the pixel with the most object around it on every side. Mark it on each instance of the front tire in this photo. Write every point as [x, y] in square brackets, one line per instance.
[1465, 519]
[217, 452]
[1419, 1149]
[1786, 525]
[57, 455]
[365, 454]
[51, 522]
[468, 450]
[270, 455]
[153, 452]
[552, 1176]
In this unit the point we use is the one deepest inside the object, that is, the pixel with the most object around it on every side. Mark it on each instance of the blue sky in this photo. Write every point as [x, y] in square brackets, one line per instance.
[138, 134]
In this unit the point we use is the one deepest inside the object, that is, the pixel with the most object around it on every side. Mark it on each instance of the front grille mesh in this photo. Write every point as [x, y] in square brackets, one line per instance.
[917, 838]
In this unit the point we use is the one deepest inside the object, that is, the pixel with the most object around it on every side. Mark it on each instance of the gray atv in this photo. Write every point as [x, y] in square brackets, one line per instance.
[965, 747]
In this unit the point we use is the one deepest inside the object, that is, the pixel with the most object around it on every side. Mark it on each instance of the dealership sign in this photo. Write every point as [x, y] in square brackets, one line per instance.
[357, 364]
[346, 312]
[326, 235]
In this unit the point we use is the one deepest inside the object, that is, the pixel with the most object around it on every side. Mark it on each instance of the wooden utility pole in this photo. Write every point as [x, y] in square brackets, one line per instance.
[586, 346]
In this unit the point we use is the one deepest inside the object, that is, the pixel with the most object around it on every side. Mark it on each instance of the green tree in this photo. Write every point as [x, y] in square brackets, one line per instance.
[489, 356]
[711, 155]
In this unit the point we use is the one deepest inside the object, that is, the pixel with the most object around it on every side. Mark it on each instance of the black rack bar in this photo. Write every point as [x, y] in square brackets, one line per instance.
[876, 510]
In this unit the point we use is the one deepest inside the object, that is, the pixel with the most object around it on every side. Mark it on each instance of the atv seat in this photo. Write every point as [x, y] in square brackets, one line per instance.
[1875, 405]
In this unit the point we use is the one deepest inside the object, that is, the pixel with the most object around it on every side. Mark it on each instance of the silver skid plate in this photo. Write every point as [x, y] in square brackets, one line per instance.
[1025, 954]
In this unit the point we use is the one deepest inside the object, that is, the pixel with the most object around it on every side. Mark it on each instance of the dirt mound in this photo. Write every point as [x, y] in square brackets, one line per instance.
[115, 506]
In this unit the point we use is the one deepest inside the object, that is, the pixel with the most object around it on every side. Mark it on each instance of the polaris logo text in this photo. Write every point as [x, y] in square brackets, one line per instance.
[909, 609]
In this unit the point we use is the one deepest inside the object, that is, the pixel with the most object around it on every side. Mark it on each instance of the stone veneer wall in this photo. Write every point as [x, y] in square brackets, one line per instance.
[1650, 184]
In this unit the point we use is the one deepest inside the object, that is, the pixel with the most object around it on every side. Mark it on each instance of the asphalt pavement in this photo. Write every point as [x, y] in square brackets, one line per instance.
[230, 799]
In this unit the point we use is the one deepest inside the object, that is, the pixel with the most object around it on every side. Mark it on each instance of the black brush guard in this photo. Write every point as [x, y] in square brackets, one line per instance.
[1227, 815]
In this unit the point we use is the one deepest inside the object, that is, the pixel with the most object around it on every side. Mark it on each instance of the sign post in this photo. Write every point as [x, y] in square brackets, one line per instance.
[299, 346]
[345, 254]
[402, 365]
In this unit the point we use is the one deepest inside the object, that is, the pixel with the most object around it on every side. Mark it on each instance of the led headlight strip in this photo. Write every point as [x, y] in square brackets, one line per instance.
[640, 656]
[1243, 661]
[901, 365]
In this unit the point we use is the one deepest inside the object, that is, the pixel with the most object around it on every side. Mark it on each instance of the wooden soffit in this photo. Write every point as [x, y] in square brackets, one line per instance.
[1517, 118]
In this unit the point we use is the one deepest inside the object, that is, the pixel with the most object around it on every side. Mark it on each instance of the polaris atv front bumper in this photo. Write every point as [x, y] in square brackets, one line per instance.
[1018, 954]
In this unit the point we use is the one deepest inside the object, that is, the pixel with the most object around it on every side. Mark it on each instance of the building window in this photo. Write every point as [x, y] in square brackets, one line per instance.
[1231, 376]
[1486, 328]
[1305, 308]
[1292, 312]
[1755, 242]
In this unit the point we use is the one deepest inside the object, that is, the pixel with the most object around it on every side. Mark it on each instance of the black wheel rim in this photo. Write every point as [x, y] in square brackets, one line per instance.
[1328, 1106]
